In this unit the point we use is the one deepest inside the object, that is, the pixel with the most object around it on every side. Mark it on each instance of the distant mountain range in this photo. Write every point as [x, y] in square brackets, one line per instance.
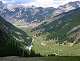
[67, 7]
[61, 25]
[29, 14]
[34, 14]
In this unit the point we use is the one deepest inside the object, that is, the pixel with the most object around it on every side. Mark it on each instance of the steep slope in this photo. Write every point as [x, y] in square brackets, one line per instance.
[66, 25]
[33, 16]
[27, 14]
[67, 7]
[13, 41]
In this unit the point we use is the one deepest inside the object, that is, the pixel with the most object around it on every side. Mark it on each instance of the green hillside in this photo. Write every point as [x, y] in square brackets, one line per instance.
[59, 36]
[60, 28]
[13, 41]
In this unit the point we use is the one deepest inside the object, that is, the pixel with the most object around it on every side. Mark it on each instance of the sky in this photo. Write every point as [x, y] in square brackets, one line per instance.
[39, 3]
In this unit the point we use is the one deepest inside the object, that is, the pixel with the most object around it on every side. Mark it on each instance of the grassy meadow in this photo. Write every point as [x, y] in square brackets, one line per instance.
[50, 47]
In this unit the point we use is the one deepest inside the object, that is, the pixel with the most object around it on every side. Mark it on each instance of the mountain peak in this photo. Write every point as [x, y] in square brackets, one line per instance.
[67, 7]
[70, 6]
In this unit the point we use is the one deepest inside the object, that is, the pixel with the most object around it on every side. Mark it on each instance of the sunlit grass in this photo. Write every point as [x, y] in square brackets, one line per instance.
[50, 47]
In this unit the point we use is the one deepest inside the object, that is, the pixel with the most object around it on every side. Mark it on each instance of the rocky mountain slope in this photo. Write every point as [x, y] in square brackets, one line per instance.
[53, 20]
[27, 14]
[67, 7]
[34, 14]
[65, 28]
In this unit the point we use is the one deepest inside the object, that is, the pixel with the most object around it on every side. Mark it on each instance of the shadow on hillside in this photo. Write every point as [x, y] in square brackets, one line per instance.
[12, 39]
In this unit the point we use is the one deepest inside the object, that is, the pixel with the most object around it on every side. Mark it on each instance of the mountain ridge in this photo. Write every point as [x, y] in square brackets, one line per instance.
[33, 14]
[62, 27]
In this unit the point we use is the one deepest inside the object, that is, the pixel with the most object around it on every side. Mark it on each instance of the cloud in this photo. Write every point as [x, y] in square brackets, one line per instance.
[7, 1]
[51, 3]
[43, 3]
[39, 3]
[16, 1]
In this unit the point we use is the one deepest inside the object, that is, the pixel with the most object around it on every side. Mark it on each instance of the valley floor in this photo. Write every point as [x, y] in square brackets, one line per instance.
[50, 48]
